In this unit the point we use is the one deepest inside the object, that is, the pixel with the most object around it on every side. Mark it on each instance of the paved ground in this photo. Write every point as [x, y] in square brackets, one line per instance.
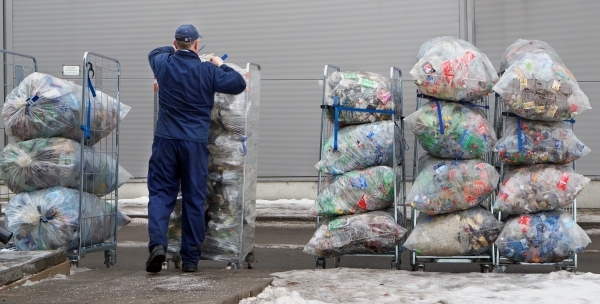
[278, 248]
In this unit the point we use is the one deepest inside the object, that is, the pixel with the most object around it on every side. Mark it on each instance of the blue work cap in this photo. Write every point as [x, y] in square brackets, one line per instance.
[187, 33]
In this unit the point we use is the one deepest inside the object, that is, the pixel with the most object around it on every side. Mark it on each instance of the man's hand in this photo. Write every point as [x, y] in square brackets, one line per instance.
[216, 60]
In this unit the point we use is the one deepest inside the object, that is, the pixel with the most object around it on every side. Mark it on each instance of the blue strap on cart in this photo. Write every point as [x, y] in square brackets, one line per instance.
[87, 127]
[31, 103]
[439, 108]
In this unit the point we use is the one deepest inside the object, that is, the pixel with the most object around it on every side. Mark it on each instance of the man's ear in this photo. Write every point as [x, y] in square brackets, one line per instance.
[196, 44]
[175, 44]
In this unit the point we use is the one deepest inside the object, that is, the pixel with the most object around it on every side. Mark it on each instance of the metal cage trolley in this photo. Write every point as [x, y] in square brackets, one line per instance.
[485, 260]
[15, 67]
[501, 263]
[231, 219]
[329, 129]
[100, 98]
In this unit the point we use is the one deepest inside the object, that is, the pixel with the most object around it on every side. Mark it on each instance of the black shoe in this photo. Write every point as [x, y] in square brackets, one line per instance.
[156, 259]
[190, 268]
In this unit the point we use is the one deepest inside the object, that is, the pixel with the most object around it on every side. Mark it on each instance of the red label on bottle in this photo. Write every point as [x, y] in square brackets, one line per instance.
[562, 183]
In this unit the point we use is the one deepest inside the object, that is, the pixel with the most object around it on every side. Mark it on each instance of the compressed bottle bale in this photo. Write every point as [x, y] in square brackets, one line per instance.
[46, 106]
[48, 219]
[523, 46]
[359, 147]
[445, 186]
[468, 232]
[357, 192]
[47, 162]
[453, 69]
[536, 142]
[543, 237]
[366, 233]
[464, 132]
[536, 188]
[540, 87]
[359, 90]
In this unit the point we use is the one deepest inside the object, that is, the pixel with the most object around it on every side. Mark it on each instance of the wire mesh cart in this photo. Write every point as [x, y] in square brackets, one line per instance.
[100, 99]
[501, 263]
[231, 184]
[329, 129]
[486, 260]
[15, 67]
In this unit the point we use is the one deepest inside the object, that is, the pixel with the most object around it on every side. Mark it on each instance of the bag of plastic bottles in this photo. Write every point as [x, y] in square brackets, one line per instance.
[536, 188]
[445, 185]
[46, 106]
[46, 162]
[540, 87]
[523, 46]
[535, 142]
[48, 219]
[359, 147]
[230, 111]
[356, 192]
[453, 69]
[464, 133]
[371, 232]
[543, 237]
[468, 232]
[359, 90]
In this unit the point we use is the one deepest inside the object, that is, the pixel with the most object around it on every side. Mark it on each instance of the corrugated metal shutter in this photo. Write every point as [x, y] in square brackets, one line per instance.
[292, 40]
[570, 28]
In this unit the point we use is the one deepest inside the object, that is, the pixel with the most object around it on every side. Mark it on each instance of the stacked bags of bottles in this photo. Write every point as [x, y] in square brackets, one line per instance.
[357, 200]
[453, 179]
[541, 93]
[42, 115]
[231, 182]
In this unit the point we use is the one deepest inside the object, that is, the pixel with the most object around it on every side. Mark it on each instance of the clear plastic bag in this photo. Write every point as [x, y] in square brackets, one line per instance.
[536, 188]
[371, 232]
[48, 219]
[540, 87]
[522, 46]
[359, 146]
[464, 134]
[543, 237]
[468, 232]
[356, 192]
[229, 110]
[45, 106]
[539, 142]
[46, 162]
[445, 186]
[359, 90]
[453, 69]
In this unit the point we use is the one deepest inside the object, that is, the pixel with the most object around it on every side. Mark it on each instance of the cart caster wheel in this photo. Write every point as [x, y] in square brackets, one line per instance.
[486, 268]
[418, 268]
[229, 266]
[336, 262]
[320, 263]
[177, 264]
[74, 264]
[165, 265]
[109, 257]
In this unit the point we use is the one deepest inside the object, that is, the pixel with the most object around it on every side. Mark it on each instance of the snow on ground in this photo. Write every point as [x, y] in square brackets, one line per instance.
[345, 285]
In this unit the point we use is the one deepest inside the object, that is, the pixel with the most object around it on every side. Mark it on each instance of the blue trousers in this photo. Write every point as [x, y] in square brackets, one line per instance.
[174, 162]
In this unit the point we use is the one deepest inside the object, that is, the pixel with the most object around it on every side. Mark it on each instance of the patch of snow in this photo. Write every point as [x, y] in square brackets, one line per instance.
[344, 285]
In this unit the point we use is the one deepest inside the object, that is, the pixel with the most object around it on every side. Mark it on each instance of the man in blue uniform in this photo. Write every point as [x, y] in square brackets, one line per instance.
[179, 151]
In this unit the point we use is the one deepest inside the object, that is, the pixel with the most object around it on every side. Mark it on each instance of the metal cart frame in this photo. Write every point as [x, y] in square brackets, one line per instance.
[501, 263]
[398, 158]
[245, 256]
[15, 67]
[100, 73]
[486, 260]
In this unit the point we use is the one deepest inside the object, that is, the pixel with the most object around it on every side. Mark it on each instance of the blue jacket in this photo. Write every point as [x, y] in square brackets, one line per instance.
[187, 89]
